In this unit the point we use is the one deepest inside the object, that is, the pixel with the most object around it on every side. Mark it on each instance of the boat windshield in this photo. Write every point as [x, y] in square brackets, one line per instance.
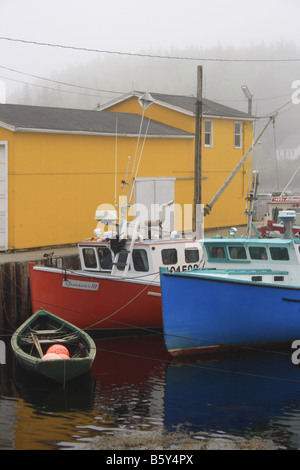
[105, 257]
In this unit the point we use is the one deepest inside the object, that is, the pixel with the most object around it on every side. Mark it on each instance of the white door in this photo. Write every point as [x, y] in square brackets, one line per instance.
[3, 198]
[152, 193]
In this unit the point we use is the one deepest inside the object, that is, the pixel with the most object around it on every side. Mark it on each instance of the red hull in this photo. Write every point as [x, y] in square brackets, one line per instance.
[115, 305]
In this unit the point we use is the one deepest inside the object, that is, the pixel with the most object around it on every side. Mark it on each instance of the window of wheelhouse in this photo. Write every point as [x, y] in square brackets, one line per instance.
[279, 253]
[237, 252]
[191, 255]
[169, 256]
[105, 258]
[89, 258]
[258, 252]
[216, 252]
[140, 260]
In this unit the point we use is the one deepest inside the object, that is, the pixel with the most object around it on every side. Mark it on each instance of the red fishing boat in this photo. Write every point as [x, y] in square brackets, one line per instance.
[118, 284]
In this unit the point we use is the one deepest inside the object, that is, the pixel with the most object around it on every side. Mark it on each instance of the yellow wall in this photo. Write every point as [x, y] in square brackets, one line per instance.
[217, 165]
[157, 113]
[217, 162]
[56, 182]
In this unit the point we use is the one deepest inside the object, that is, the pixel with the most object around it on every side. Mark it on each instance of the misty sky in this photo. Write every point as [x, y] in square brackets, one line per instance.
[137, 26]
[134, 26]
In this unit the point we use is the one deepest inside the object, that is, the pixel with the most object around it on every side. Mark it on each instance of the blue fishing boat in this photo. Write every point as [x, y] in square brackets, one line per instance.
[246, 293]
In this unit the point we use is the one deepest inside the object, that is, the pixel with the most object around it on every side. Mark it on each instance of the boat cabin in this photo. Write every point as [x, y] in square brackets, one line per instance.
[253, 253]
[144, 258]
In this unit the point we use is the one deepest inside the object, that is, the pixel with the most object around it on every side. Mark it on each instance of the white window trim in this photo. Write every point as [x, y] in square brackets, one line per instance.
[240, 134]
[211, 133]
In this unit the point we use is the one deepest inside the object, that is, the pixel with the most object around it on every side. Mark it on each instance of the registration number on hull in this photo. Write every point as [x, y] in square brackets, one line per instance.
[85, 285]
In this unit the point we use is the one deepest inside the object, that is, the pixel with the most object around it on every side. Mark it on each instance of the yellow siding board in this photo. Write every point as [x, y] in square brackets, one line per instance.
[57, 181]
[60, 180]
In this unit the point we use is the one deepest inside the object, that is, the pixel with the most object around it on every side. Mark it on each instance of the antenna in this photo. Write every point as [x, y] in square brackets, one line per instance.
[116, 161]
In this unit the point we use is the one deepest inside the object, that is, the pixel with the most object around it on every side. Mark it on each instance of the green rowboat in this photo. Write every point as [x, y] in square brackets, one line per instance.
[32, 339]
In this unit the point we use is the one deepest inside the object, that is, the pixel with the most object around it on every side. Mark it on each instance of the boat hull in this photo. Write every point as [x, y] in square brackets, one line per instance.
[96, 303]
[202, 314]
[59, 370]
[62, 370]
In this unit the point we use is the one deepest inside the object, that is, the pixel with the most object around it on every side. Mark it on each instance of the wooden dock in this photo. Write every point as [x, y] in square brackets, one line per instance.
[15, 303]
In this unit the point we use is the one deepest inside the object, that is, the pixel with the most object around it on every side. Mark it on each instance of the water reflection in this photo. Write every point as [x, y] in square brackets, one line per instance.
[249, 394]
[129, 375]
[124, 389]
[134, 384]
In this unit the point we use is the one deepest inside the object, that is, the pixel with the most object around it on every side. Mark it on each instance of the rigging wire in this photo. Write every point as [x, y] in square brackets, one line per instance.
[275, 154]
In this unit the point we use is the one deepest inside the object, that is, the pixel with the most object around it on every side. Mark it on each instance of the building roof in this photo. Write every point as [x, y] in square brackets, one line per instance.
[186, 105]
[24, 118]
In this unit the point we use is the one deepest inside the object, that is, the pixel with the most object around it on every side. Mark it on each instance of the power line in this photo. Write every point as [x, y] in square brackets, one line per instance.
[98, 89]
[137, 54]
[57, 81]
[51, 89]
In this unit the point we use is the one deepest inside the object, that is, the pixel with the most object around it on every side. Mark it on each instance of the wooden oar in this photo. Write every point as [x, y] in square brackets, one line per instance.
[37, 345]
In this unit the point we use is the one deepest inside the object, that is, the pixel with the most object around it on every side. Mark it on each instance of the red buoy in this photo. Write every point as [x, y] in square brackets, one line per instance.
[58, 349]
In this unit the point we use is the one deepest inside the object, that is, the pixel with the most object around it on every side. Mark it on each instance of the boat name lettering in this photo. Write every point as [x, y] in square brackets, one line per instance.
[73, 284]
[185, 267]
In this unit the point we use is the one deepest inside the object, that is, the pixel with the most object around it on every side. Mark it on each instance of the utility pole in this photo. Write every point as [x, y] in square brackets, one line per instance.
[198, 157]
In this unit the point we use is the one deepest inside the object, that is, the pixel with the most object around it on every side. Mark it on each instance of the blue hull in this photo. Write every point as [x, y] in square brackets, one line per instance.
[201, 313]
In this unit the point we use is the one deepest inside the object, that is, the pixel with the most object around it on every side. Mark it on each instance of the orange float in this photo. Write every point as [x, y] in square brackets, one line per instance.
[58, 349]
[50, 356]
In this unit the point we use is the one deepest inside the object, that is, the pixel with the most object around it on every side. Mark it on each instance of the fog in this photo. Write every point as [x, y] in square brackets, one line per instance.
[80, 54]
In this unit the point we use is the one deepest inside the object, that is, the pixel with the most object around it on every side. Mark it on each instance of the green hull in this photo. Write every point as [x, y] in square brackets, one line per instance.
[49, 329]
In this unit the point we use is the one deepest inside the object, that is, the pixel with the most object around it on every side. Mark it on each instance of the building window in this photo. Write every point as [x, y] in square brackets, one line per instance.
[237, 135]
[208, 133]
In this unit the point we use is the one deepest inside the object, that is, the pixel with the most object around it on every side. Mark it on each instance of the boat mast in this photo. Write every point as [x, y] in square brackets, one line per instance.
[250, 200]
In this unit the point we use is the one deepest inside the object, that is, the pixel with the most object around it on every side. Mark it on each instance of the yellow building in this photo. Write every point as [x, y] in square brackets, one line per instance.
[226, 136]
[58, 165]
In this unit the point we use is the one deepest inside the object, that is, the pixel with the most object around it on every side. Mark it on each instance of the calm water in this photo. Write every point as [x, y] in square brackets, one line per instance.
[134, 385]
